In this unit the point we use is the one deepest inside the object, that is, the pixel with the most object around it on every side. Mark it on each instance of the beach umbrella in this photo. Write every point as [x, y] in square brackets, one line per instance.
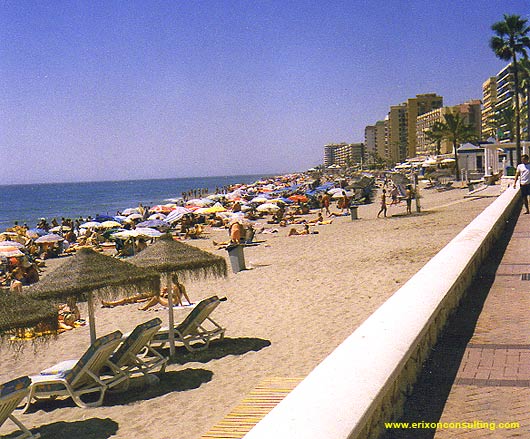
[163, 208]
[268, 207]
[20, 312]
[52, 237]
[147, 232]
[109, 224]
[11, 244]
[154, 216]
[260, 199]
[60, 229]
[298, 198]
[10, 251]
[90, 225]
[154, 224]
[35, 233]
[130, 211]
[90, 273]
[167, 257]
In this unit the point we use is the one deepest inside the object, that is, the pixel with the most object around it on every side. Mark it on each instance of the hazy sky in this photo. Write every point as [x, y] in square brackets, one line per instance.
[99, 90]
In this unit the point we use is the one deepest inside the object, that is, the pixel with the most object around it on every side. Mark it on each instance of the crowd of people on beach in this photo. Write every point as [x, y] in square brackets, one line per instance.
[244, 211]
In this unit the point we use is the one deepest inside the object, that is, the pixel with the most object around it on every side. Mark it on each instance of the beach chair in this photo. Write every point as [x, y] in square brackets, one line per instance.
[198, 326]
[11, 393]
[75, 378]
[135, 354]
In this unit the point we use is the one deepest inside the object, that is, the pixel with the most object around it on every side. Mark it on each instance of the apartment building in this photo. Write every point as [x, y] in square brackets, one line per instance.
[489, 100]
[397, 132]
[343, 154]
[471, 114]
[421, 104]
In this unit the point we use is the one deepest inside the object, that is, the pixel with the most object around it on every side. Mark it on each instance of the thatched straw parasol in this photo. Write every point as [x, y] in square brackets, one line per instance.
[87, 273]
[170, 257]
[19, 312]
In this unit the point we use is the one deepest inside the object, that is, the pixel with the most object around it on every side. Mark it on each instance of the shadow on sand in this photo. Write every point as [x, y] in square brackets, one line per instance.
[93, 428]
[218, 349]
[439, 371]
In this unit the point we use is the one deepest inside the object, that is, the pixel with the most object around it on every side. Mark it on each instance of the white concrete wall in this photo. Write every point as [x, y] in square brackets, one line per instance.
[363, 382]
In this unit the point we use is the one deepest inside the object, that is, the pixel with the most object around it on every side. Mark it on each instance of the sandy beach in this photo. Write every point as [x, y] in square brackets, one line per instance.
[301, 297]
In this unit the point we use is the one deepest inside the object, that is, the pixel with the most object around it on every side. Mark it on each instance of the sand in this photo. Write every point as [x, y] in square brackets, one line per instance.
[301, 298]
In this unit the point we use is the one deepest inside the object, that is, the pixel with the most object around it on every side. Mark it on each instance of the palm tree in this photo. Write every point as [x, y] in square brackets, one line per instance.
[512, 39]
[435, 135]
[456, 130]
[524, 64]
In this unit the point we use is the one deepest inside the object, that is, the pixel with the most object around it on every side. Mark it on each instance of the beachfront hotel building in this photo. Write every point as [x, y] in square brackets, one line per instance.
[471, 113]
[397, 132]
[497, 95]
[375, 141]
[343, 154]
[400, 131]
[421, 104]
[489, 100]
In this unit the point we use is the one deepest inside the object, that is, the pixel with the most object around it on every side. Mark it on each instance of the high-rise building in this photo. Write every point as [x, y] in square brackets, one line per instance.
[470, 112]
[417, 106]
[343, 154]
[381, 139]
[370, 143]
[397, 133]
[489, 100]
[498, 95]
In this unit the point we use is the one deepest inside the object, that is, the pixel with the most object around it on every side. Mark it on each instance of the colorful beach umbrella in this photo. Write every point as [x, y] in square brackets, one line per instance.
[11, 244]
[10, 251]
[52, 237]
[109, 224]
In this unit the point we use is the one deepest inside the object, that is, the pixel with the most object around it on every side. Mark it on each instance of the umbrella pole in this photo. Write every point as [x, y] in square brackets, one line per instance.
[169, 285]
[91, 320]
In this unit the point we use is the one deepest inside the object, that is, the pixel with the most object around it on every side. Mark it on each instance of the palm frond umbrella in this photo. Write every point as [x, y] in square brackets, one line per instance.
[20, 312]
[169, 257]
[88, 273]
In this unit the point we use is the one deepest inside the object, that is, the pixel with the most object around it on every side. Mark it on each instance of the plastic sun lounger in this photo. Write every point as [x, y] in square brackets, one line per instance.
[75, 378]
[198, 326]
[135, 354]
[11, 393]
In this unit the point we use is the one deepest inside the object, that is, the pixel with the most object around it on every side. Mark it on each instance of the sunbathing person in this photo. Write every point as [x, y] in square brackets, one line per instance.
[305, 231]
[179, 290]
[69, 315]
[137, 298]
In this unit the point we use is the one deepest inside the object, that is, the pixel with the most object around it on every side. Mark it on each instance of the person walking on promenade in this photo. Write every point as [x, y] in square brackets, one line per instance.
[523, 172]
[383, 204]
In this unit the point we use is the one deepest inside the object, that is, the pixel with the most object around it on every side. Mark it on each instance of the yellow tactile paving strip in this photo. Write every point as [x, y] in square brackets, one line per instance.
[253, 408]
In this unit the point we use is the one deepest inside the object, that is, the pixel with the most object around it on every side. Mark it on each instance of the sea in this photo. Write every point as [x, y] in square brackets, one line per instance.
[27, 203]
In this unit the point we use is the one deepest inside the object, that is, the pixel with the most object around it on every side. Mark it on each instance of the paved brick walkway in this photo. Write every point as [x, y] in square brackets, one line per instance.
[492, 383]
[480, 370]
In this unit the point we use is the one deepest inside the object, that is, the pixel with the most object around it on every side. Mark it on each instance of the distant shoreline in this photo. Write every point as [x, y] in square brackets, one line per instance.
[28, 202]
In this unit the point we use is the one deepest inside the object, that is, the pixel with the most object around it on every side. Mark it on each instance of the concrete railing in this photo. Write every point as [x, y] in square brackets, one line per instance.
[364, 381]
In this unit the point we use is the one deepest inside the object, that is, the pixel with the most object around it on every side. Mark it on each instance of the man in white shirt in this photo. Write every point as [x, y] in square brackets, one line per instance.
[523, 172]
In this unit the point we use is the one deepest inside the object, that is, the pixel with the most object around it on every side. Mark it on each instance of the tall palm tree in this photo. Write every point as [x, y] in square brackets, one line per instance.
[456, 130]
[512, 39]
[435, 135]
[525, 86]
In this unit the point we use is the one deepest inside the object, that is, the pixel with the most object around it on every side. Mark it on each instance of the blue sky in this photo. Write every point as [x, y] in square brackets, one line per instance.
[106, 90]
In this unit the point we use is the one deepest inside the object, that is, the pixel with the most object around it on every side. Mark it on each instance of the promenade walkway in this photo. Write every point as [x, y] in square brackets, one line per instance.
[480, 369]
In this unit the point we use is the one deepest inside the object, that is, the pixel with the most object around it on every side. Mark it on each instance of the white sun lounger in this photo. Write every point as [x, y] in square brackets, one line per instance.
[198, 326]
[75, 378]
[11, 393]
